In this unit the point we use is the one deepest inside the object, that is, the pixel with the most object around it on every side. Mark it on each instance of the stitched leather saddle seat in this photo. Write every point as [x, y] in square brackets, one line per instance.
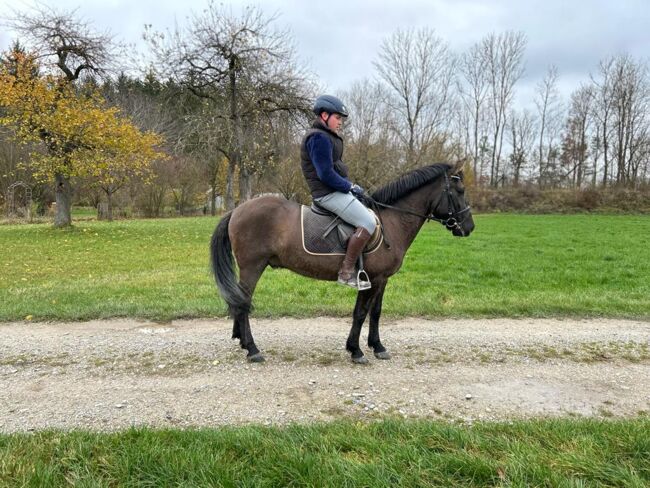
[317, 209]
[324, 233]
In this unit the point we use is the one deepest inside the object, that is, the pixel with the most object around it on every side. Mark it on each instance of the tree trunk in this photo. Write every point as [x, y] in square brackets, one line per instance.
[605, 153]
[109, 208]
[230, 190]
[235, 159]
[245, 187]
[477, 114]
[494, 156]
[213, 197]
[63, 216]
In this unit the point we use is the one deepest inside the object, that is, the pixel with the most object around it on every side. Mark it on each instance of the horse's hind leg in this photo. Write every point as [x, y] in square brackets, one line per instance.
[246, 341]
[248, 278]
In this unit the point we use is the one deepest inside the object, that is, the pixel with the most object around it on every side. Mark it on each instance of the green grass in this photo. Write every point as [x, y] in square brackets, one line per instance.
[512, 266]
[558, 453]
[83, 213]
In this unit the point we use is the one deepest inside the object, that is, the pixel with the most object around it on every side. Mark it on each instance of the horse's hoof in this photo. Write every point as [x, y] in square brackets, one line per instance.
[383, 355]
[360, 360]
[256, 358]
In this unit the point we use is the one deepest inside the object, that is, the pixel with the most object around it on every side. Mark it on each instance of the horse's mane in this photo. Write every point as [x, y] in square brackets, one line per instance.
[409, 182]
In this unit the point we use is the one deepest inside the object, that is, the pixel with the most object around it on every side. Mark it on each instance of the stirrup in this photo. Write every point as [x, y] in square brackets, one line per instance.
[361, 283]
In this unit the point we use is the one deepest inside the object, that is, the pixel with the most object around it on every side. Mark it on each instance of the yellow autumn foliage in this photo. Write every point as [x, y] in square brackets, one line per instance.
[81, 134]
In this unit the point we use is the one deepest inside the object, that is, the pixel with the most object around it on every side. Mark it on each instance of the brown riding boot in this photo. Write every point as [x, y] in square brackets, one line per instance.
[356, 243]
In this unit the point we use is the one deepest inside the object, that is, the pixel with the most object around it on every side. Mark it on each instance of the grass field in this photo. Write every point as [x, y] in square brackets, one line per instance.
[512, 266]
[389, 453]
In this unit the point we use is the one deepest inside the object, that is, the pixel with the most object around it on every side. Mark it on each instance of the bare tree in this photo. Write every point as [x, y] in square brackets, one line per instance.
[575, 142]
[603, 112]
[282, 141]
[547, 101]
[473, 90]
[418, 68]
[503, 56]
[522, 139]
[631, 101]
[242, 65]
[370, 142]
[64, 41]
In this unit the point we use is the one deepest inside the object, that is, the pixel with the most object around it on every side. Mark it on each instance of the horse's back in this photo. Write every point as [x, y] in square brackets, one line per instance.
[263, 207]
[263, 224]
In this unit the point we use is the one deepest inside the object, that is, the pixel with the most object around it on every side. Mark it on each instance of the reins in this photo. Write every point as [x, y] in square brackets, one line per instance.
[451, 222]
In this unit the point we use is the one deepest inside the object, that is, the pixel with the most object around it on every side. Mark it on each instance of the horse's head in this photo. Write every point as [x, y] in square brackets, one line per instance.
[452, 208]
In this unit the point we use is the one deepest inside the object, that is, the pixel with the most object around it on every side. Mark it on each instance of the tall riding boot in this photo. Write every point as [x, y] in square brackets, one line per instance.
[356, 243]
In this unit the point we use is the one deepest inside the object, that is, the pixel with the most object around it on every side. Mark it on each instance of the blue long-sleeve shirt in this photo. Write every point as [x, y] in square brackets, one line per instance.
[320, 152]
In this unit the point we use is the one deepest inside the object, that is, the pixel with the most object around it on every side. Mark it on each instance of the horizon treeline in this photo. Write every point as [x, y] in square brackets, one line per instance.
[229, 102]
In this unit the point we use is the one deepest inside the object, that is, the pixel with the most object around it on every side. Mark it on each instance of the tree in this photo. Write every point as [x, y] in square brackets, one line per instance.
[603, 112]
[418, 69]
[473, 90]
[369, 149]
[502, 56]
[80, 135]
[631, 104]
[547, 101]
[575, 141]
[522, 136]
[243, 67]
[64, 44]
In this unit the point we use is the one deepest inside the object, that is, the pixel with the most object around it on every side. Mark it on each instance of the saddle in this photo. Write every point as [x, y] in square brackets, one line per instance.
[324, 233]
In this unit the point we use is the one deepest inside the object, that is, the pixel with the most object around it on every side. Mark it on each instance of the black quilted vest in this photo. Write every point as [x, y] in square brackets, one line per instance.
[317, 188]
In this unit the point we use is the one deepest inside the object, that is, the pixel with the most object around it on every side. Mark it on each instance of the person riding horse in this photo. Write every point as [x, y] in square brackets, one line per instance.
[327, 177]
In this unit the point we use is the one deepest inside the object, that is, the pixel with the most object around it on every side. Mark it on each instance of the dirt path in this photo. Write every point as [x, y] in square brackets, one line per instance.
[114, 374]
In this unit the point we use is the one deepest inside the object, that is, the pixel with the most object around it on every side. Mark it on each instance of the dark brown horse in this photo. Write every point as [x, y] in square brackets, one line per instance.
[265, 232]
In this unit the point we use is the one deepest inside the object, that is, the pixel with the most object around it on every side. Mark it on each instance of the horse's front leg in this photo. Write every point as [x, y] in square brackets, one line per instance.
[373, 334]
[364, 301]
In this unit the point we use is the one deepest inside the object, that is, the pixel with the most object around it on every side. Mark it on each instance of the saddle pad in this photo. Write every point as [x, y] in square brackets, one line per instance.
[314, 241]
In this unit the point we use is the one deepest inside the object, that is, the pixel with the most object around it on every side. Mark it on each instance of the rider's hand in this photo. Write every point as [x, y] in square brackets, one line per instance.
[357, 191]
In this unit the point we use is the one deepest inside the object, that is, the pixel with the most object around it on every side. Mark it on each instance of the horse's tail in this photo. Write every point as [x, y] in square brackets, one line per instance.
[223, 267]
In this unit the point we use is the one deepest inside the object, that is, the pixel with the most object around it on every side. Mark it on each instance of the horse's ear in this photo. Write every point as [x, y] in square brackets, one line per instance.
[458, 166]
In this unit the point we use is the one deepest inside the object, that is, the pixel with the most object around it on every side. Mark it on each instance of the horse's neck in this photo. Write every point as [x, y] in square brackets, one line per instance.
[406, 227]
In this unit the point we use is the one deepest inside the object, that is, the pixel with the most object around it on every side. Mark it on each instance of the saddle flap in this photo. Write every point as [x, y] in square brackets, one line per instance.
[328, 234]
[345, 231]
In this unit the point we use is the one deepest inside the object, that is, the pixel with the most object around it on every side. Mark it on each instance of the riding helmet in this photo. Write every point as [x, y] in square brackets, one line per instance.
[331, 105]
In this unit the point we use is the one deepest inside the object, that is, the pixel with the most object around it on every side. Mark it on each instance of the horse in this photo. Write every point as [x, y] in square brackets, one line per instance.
[265, 231]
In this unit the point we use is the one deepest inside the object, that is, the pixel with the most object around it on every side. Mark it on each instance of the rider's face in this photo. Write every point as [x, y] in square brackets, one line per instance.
[333, 121]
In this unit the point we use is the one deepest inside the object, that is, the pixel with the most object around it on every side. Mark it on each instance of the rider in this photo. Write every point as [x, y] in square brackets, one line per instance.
[327, 177]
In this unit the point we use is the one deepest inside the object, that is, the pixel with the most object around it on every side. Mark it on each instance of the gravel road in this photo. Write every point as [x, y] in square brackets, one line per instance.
[107, 375]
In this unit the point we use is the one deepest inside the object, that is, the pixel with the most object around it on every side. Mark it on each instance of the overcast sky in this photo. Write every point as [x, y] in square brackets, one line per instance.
[339, 39]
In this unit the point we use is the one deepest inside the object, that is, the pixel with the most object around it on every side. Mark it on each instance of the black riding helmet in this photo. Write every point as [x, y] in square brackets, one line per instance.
[331, 105]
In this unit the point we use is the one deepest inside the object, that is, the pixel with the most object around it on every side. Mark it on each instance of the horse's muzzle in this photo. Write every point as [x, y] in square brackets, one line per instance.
[463, 228]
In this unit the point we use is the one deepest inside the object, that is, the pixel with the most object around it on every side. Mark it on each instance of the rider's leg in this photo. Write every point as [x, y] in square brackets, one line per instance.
[352, 211]
[347, 273]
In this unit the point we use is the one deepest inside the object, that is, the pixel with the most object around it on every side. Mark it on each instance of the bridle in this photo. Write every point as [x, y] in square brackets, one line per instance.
[453, 220]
